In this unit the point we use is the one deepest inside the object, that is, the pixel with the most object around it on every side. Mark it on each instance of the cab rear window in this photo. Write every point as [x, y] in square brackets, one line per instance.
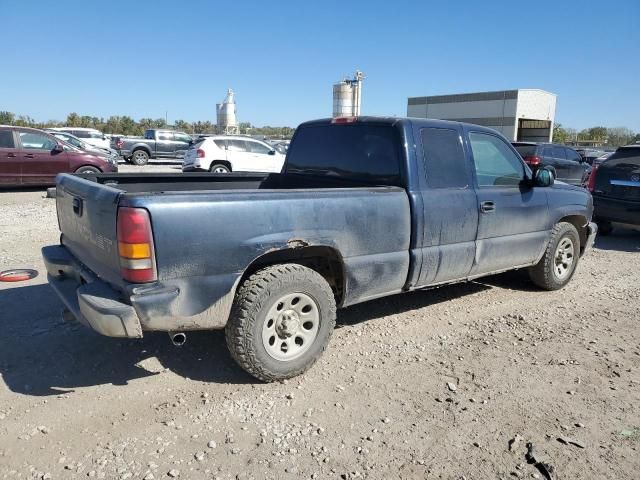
[362, 152]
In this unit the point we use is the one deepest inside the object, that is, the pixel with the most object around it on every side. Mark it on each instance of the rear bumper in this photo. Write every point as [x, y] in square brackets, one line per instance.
[616, 210]
[191, 303]
[91, 301]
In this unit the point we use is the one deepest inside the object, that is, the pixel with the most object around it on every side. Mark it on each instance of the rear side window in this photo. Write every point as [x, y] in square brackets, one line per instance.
[362, 152]
[165, 136]
[6, 139]
[220, 144]
[444, 160]
[547, 152]
[95, 135]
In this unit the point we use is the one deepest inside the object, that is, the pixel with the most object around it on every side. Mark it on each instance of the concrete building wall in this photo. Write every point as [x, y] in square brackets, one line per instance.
[500, 110]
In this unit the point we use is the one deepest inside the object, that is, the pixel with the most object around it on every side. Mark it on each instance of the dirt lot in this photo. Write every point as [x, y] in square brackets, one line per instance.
[425, 385]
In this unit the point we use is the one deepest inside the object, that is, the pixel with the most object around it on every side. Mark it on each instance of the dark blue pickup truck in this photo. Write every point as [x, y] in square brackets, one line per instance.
[365, 207]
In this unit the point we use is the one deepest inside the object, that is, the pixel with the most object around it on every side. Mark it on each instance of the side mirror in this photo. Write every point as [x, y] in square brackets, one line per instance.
[58, 148]
[543, 177]
[272, 152]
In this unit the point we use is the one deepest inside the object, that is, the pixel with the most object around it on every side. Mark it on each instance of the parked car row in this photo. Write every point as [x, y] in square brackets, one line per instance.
[34, 157]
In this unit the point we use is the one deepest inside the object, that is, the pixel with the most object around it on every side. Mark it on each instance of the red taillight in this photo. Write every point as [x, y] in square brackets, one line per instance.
[135, 245]
[533, 160]
[591, 186]
[200, 153]
[119, 143]
[344, 120]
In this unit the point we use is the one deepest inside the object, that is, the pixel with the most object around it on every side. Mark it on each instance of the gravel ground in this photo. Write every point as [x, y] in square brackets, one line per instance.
[449, 383]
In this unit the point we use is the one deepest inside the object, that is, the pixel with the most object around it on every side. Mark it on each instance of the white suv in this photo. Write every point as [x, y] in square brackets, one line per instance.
[224, 154]
[88, 135]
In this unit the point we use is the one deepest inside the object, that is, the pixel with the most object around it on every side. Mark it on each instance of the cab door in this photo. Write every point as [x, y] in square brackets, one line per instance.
[165, 145]
[450, 210]
[41, 161]
[10, 160]
[513, 216]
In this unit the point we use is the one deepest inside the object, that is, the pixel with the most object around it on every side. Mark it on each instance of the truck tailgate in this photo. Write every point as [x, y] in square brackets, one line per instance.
[87, 214]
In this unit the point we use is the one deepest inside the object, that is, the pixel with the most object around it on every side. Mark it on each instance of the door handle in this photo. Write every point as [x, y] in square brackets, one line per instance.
[28, 155]
[11, 155]
[487, 207]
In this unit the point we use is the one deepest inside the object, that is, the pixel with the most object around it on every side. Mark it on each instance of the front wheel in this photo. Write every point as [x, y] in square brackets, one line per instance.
[560, 258]
[281, 321]
[88, 170]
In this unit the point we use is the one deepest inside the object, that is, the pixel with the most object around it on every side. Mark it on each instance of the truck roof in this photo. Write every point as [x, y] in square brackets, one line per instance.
[425, 122]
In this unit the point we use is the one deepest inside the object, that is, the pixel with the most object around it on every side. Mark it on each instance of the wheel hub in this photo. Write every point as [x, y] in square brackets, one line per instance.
[290, 326]
[287, 324]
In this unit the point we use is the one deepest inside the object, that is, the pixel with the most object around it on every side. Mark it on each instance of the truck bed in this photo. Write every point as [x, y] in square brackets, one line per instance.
[209, 228]
[183, 182]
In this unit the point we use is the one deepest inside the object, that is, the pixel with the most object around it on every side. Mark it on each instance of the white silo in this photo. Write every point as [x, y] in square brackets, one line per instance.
[347, 96]
[226, 120]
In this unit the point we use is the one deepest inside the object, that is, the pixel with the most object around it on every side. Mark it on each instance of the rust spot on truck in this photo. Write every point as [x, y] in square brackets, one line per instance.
[297, 243]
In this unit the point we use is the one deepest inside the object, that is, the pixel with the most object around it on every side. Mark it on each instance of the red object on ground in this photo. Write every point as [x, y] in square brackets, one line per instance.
[17, 275]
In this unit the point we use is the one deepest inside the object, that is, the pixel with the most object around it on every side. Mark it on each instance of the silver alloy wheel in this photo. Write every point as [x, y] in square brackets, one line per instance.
[563, 259]
[291, 326]
[139, 155]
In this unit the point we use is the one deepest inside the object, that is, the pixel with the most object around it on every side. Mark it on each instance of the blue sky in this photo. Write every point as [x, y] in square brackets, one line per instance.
[144, 58]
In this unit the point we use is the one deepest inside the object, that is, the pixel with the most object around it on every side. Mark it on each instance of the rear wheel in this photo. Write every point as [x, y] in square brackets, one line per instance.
[560, 259]
[281, 322]
[140, 157]
[88, 170]
[219, 168]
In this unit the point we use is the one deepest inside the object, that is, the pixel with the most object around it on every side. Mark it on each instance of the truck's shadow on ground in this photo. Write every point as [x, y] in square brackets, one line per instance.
[43, 355]
[621, 239]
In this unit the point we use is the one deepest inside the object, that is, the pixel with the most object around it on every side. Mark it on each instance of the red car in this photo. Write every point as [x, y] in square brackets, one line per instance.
[33, 157]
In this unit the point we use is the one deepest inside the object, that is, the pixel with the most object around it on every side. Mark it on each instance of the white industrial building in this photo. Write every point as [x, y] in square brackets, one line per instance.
[520, 115]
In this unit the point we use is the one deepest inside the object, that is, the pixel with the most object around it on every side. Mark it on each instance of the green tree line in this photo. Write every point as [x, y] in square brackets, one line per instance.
[610, 137]
[128, 126]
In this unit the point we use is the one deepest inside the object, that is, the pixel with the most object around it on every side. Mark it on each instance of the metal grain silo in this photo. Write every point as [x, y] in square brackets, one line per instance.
[226, 114]
[347, 96]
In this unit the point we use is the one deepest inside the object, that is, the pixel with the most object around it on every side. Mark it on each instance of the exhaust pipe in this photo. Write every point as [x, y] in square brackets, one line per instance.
[178, 338]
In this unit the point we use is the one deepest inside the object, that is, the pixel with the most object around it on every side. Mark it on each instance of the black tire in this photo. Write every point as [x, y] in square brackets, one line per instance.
[88, 170]
[604, 227]
[220, 167]
[255, 298]
[140, 158]
[544, 273]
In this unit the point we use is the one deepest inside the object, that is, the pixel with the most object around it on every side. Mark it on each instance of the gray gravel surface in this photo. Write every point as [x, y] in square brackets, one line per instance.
[449, 383]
